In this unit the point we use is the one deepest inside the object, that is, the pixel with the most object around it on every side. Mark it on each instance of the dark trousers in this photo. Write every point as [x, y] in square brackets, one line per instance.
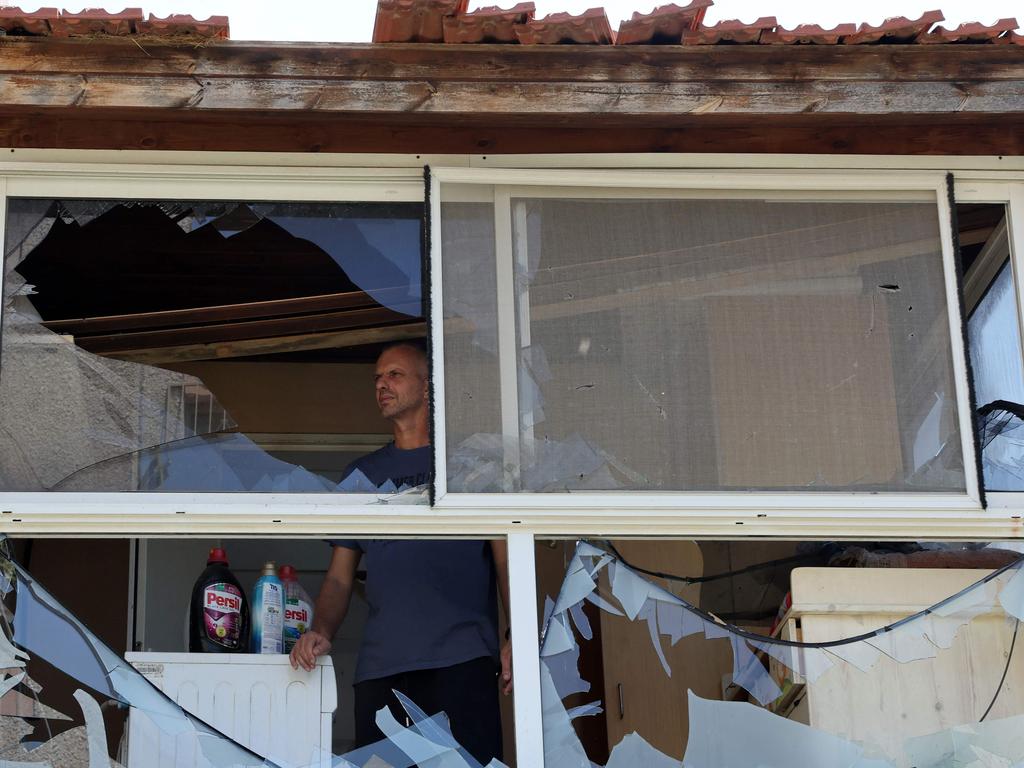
[467, 693]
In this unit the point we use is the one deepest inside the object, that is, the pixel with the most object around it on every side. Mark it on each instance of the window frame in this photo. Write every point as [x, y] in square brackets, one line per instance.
[700, 513]
[90, 173]
[1010, 194]
[128, 513]
[259, 176]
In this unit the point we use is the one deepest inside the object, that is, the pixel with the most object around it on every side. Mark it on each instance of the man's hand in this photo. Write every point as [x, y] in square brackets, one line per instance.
[307, 648]
[505, 681]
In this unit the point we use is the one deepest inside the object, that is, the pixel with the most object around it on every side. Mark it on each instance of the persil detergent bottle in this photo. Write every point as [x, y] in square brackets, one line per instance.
[298, 608]
[268, 612]
[219, 613]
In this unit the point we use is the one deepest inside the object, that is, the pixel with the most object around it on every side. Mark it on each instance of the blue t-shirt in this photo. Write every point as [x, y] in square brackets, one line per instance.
[432, 603]
[402, 467]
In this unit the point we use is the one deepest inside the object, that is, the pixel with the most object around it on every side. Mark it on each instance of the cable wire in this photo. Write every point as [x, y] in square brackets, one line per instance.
[715, 576]
[767, 640]
[1009, 656]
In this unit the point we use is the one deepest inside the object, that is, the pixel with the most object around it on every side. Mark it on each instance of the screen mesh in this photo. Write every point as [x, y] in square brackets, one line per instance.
[693, 344]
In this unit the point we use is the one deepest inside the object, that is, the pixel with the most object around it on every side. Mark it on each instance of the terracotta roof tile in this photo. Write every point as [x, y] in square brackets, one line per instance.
[805, 34]
[17, 21]
[974, 32]
[97, 21]
[414, 21]
[182, 24]
[734, 31]
[665, 24]
[488, 25]
[436, 20]
[589, 28]
[895, 30]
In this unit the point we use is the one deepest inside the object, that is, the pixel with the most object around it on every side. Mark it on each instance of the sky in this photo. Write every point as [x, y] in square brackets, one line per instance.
[352, 20]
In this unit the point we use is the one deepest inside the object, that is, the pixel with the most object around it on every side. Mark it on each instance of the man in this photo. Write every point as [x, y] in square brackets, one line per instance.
[432, 628]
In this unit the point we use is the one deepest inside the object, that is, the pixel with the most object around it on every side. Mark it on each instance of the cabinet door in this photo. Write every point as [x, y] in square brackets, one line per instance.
[638, 695]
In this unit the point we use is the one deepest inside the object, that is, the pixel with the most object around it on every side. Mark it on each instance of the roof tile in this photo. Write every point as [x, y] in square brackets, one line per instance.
[589, 28]
[896, 30]
[488, 25]
[183, 24]
[665, 24]
[414, 21]
[15, 20]
[974, 32]
[805, 34]
[96, 21]
[734, 31]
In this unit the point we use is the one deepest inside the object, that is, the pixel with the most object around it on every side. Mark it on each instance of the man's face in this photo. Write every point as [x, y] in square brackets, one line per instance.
[401, 382]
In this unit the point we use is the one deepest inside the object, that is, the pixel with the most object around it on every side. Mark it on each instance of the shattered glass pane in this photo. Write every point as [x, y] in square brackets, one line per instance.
[884, 667]
[1001, 430]
[726, 344]
[201, 346]
[117, 715]
[994, 338]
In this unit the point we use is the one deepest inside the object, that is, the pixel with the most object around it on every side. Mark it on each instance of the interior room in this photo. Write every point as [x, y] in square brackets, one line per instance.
[201, 346]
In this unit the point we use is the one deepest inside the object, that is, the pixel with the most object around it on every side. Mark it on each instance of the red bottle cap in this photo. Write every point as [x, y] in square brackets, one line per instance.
[286, 572]
[217, 555]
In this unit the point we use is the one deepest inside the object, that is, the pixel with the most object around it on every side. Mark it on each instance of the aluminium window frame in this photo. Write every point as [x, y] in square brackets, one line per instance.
[85, 173]
[141, 512]
[1011, 195]
[829, 515]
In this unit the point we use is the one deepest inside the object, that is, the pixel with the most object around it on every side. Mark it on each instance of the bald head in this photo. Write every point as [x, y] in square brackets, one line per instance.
[416, 349]
[402, 384]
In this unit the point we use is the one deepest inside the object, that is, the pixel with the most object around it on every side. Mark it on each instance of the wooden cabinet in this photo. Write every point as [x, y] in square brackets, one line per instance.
[891, 701]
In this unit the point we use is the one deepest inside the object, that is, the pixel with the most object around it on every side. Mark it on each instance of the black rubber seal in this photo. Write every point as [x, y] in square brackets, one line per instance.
[426, 292]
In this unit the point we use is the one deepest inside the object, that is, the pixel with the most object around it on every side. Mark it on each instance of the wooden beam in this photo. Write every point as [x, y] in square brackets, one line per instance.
[954, 134]
[510, 63]
[224, 333]
[176, 318]
[890, 99]
[274, 346]
[453, 99]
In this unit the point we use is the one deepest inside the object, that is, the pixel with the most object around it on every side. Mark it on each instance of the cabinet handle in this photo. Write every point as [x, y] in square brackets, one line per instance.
[622, 704]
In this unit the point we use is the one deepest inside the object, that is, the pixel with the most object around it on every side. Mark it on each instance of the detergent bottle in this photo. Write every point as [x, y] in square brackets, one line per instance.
[268, 612]
[219, 612]
[298, 608]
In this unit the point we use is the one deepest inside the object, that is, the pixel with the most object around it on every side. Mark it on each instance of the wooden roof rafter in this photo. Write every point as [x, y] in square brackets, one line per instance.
[473, 98]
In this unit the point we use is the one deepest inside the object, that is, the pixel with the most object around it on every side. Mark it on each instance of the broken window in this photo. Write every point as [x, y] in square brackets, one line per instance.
[676, 653]
[654, 652]
[100, 676]
[646, 343]
[993, 325]
[202, 346]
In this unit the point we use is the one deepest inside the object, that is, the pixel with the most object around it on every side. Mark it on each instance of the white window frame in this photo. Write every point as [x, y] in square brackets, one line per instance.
[275, 177]
[1010, 195]
[133, 513]
[701, 514]
[264, 176]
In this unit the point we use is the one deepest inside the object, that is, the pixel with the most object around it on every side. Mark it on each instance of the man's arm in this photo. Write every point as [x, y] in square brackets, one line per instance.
[330, 609]
[499, 548]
